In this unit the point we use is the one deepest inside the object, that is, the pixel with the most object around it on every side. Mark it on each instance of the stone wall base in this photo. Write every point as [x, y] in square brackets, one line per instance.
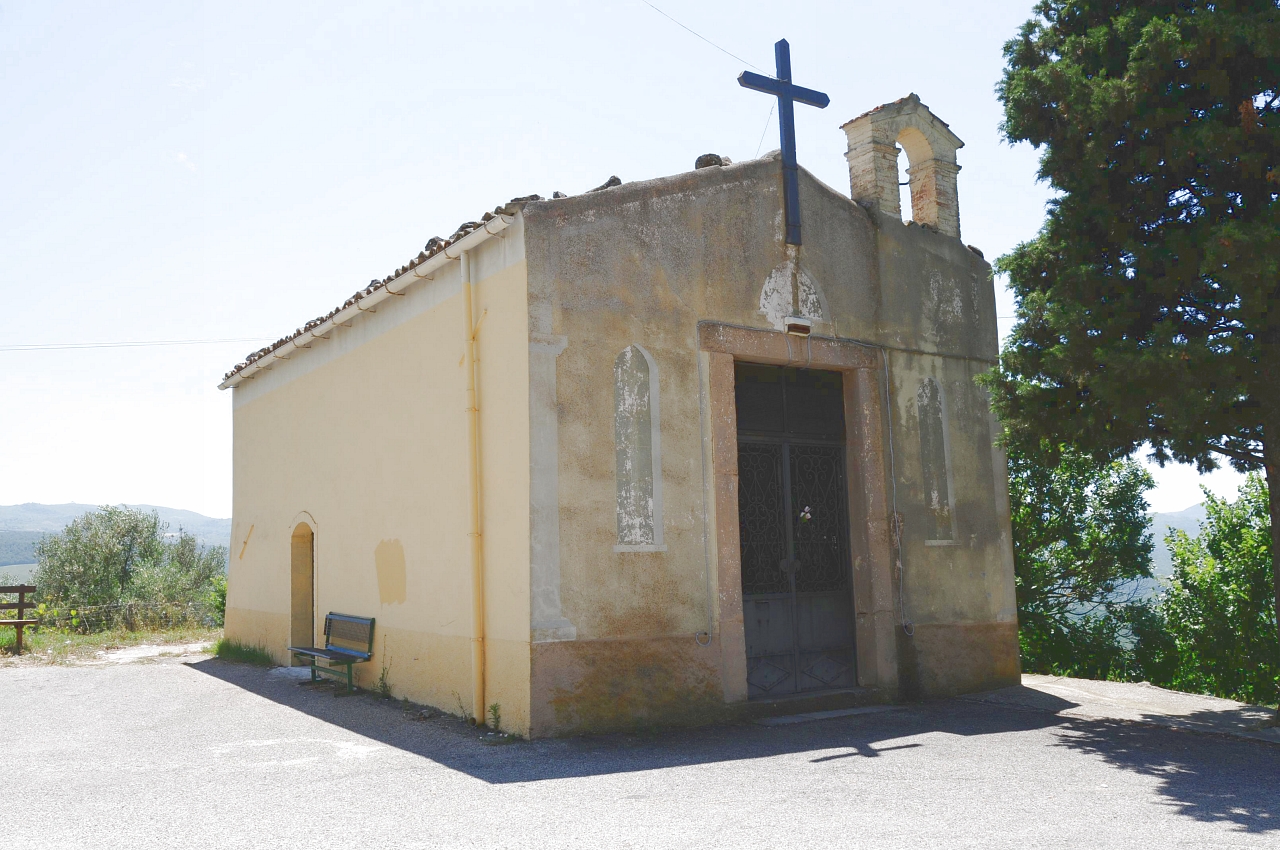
[624, 683]
[945, 659]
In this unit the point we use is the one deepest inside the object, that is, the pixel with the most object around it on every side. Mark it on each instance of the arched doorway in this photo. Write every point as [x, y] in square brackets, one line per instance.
[302, 624]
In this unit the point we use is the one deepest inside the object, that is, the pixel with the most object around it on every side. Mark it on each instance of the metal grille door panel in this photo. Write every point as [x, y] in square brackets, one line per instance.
[761, 518]
[822, 540]
[793, 523]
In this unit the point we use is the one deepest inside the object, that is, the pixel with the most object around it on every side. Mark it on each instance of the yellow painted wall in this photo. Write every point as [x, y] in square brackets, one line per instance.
[501, 306]
[366, 443]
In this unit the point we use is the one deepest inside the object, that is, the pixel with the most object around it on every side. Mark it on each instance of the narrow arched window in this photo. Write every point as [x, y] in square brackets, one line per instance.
[637, 447]
[939, 504]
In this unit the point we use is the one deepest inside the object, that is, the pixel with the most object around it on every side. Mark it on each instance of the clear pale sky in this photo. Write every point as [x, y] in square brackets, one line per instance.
[212, 171]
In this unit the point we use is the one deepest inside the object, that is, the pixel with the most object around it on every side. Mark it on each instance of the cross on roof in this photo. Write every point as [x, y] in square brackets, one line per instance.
[788, 94]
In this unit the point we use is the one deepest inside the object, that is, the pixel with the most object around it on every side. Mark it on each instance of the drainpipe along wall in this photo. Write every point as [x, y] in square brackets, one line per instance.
[477, 539]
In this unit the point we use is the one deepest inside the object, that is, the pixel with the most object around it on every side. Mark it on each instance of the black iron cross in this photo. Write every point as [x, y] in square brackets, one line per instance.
[788, 94]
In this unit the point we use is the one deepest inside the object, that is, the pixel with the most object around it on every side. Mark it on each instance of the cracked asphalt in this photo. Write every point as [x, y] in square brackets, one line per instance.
[200, 753]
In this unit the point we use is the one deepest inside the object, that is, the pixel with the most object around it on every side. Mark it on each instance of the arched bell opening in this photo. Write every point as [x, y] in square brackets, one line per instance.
[879, 141]
[913, 150]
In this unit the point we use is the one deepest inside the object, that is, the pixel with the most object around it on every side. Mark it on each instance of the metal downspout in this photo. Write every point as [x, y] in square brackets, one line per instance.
[477, 541]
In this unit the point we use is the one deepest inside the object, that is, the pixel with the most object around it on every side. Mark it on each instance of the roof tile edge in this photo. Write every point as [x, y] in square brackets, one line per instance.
[435, 246]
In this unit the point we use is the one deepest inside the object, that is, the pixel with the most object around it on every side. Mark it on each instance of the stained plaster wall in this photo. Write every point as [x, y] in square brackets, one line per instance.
[644, 263]
[364, 438]
[939, 320]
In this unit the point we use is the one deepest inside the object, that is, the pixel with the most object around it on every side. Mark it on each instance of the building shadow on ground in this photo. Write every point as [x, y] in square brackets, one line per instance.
[450, 741]
[1203, 777]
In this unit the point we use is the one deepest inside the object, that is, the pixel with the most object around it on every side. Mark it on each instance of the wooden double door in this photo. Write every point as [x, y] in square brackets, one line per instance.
[793, 517]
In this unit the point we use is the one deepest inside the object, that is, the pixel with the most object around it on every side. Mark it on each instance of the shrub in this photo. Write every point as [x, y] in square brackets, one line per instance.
[218, 599]
[120, 567]
[1218, 613]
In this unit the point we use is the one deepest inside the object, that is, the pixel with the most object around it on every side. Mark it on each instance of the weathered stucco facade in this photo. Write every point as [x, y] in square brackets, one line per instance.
[608, 326]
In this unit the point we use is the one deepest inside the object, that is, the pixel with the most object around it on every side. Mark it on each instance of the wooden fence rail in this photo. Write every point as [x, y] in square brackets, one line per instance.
[22, 605]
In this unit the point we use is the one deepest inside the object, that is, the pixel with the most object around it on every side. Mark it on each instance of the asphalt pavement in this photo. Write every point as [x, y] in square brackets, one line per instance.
[177, 753]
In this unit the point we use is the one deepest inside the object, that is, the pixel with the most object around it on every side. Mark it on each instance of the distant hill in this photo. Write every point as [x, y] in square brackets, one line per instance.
[1186, 520]
[22, 526]
[18, 547]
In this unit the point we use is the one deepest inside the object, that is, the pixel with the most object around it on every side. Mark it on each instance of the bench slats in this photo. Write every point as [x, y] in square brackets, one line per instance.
[345, 628]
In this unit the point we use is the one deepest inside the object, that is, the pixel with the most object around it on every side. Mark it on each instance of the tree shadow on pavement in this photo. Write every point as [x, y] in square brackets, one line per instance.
[1202, 776]
[1203, 773]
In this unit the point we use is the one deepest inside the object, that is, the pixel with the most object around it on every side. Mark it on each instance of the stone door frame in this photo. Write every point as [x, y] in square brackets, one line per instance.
[861, 367]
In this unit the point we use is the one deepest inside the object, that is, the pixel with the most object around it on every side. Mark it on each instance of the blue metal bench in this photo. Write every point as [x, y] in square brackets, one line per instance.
[348, 640]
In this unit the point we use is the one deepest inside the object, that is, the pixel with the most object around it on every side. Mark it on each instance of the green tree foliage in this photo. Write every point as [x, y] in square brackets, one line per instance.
[1081, 542]
[1149, 304]
[114, 556]
[185, 573]
[218, 600]
[1218, 621]
[95, 559]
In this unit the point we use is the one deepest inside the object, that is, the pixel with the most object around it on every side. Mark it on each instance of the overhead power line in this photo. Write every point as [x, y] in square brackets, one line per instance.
[146, 343]
[690, 30]
[701, 36]
[765, 131]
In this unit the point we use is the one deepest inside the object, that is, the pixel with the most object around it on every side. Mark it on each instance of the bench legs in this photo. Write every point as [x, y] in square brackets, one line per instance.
[351, 687]
[316, 670]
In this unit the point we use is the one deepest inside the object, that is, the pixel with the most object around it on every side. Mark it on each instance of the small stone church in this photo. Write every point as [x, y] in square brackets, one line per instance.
[629, 457]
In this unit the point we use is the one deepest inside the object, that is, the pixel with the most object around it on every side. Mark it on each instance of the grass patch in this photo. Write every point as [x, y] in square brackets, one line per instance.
[229, 649]
[46, 645]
